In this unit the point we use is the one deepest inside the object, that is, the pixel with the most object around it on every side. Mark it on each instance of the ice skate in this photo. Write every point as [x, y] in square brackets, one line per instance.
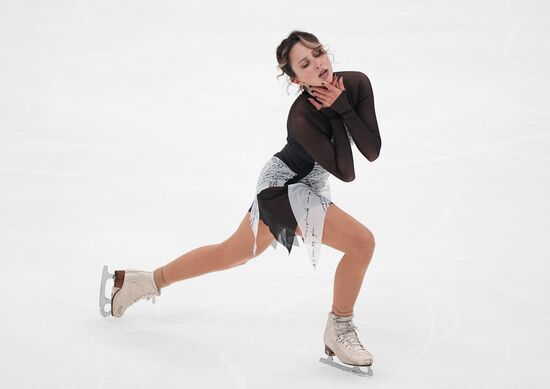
[129, 287]
[341, 340]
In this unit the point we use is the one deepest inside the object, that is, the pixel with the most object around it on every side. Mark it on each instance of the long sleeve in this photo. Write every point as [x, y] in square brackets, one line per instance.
[310, 132]
[361, 122]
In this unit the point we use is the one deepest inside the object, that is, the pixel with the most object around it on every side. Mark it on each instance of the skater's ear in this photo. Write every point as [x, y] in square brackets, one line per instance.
[295, 81]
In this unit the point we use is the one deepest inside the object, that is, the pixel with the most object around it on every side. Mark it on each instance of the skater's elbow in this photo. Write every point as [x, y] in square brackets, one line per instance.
[372, 157]
[348, 177]
[373, 154]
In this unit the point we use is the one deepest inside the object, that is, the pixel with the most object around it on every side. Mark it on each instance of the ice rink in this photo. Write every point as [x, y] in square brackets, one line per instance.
[132, 132]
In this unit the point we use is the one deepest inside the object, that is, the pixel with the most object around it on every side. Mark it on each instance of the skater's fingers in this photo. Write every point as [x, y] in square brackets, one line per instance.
[329, 86]
[341, 83]
[319, 92]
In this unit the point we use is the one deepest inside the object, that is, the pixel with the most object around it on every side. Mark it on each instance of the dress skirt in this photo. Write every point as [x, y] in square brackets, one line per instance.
[283, 201]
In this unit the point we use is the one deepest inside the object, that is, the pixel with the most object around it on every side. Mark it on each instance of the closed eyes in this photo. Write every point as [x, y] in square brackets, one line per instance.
[317, 54]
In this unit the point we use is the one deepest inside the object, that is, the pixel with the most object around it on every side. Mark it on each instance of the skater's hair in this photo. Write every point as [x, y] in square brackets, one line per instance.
[308, 40]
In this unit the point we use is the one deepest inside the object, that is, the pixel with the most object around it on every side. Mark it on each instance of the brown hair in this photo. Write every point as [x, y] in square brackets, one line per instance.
[308, 40]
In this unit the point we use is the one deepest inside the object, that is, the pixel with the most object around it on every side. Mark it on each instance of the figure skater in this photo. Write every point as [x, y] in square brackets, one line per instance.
[333, 111]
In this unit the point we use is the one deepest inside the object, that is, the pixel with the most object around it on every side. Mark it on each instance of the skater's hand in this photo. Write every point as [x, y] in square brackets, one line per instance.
[328, 93]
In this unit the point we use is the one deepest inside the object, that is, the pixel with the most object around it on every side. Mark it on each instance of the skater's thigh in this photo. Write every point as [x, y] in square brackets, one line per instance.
[345, 233]
[239, 245]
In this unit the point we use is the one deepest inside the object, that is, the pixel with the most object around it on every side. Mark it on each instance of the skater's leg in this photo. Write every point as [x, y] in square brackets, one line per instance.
[344, 233]
[235, 250]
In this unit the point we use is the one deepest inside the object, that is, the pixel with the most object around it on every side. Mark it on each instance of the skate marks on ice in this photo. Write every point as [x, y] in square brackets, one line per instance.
[234, 369]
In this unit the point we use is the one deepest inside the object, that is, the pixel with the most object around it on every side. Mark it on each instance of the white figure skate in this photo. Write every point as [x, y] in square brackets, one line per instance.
[341, 340]
[129, 287]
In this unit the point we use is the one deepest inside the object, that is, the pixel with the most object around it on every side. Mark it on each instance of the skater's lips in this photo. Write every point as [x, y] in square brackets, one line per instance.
[322, 71]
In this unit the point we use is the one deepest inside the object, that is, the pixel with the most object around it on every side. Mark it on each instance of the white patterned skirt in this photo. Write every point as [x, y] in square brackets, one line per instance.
[283, 203]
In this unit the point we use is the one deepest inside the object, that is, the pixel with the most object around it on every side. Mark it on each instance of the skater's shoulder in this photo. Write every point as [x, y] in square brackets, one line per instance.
[355, 75]
[354, 80]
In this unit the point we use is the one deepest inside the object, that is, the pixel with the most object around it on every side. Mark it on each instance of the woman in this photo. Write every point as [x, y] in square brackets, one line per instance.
[334, 111]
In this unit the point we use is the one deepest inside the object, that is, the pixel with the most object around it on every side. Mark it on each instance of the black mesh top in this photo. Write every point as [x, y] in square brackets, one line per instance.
[320, 135]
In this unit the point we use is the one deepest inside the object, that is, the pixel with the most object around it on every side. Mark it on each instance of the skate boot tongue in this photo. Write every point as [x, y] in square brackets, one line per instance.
[342, 327]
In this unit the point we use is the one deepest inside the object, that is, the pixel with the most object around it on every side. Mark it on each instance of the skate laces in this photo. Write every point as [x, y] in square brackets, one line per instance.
[141, 293]
[346, 334]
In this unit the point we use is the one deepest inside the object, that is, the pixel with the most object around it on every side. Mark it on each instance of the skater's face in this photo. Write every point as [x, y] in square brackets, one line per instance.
[308, 64]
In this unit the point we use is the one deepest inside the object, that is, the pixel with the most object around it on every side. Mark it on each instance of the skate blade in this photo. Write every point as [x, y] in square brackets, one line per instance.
[103, 300]
[352, 369]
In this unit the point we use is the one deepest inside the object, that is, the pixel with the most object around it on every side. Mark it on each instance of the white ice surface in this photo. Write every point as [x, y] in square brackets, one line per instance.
[116, 116]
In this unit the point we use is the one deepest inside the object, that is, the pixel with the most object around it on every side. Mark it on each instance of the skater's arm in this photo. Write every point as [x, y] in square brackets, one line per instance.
[336, 158]
[361, 122]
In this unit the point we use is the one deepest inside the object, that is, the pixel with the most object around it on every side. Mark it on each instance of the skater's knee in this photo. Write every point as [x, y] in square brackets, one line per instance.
[367, 240]
[231, 262]
[363, 242]
[239, 263]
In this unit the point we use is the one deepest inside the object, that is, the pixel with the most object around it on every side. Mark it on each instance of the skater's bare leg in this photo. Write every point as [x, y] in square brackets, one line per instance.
[235, 250]
[344, 233]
